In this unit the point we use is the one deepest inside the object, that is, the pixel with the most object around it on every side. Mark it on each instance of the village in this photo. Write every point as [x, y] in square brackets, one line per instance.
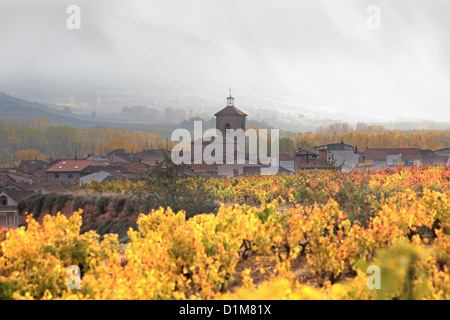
[67, 175]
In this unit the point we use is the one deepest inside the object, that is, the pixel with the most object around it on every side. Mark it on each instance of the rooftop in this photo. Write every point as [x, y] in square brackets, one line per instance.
[379, 154]
[18, 195]
[230, 111]
[70, 166]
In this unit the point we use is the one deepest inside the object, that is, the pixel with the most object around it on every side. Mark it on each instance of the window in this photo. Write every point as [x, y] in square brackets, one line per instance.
[4, 201]
[394, 162]
[378, 162]
[57, 175]
[16, 220]
[409, 162]
[3, 221]
[227, 126]
[70, 175]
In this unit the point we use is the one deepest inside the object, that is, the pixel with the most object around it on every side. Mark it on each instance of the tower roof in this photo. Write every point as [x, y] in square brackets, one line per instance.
[230, 111]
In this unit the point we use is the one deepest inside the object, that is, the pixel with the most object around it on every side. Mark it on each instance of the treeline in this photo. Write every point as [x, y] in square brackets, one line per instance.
[22, 139]
[366, 136]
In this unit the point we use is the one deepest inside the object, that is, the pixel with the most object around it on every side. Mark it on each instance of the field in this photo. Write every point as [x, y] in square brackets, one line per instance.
[313, 235]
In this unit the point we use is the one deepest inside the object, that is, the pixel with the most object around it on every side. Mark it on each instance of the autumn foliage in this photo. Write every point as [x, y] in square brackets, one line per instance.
[316, 250]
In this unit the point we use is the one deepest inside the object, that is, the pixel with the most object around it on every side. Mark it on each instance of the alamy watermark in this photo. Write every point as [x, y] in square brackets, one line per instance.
[211, 147]
[73, 22]
[374, 281]
[374, 20]
[74, 280]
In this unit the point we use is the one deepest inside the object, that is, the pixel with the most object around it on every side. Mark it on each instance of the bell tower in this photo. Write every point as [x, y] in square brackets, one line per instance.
[230, 101]
[230, 117]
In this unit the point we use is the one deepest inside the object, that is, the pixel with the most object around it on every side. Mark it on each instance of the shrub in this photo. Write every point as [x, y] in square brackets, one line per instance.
[34, 261]
[33, 204]
[101, 203]
[49, 201]
[119, 203]
[61, 201]
[80, 201]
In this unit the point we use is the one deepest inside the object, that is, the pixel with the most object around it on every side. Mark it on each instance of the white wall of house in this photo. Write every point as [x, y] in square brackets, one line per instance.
[393, 159]
[289, 165]
[347, 157]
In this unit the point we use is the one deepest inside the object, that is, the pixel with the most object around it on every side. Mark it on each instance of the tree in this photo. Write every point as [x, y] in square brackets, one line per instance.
[170, 186]
[120, 143]
[29, 154]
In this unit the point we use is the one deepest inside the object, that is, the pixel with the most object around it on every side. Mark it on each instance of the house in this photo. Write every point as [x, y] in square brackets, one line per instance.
[392, 157]
[335, 147]
[123, 157]
[229, 170]
[9, 200]
[435, 160]
[5, 180]
[111, 154]
[31, 166]
[204, 169]
[235, 169]
[96, 176]
[152, 155]
[310, 160]
[18, 181]
[442, 152]
[287, 161]
[341, 154]
[16, 186]
[135, 169]
[97, 158]
[426, 153]
[20, 177]
[68, 171]
[45, 187]
[430, 158]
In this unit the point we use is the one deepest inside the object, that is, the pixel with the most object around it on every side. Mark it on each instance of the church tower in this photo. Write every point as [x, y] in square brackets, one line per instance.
[230, 117]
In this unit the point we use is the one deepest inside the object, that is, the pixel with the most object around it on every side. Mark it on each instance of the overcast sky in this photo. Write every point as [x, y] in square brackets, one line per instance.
[317, 55]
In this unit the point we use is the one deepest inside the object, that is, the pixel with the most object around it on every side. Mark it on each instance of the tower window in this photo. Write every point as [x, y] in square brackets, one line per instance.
[227, 126]
[4, 201]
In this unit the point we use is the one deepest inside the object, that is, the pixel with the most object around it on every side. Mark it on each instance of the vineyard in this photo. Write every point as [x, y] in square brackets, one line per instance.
[312, 235]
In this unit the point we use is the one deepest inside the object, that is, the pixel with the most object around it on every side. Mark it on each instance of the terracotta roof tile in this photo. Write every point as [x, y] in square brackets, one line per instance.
[70, 166]
[379, 154]
[435, 160]
[18, 195]
[230, 111]
[286, 156]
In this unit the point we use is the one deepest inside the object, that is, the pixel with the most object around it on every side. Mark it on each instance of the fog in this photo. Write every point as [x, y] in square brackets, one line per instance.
[315, 57]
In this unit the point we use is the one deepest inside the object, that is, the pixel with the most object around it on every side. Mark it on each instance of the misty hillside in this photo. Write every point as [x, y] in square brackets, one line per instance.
[11, 107]
[109, 53]
[122, 61]
[14, 107]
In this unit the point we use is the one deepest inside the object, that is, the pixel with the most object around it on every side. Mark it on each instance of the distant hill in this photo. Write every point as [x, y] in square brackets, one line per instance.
[15, 107]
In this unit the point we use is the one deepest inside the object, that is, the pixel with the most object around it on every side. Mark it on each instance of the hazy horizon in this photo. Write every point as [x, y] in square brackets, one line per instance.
[317, 58]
